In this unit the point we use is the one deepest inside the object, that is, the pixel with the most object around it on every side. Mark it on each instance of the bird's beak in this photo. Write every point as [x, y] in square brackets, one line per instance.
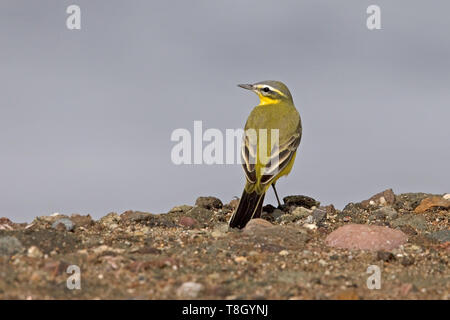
[247, 86]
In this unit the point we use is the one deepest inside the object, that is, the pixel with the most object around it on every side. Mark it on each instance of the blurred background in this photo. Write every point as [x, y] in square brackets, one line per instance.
[86, 115]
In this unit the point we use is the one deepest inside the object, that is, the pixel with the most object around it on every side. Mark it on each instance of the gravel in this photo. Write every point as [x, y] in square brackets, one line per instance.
[190, 253]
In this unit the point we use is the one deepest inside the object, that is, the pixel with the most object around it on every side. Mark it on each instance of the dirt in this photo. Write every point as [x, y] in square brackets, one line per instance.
[189, 253]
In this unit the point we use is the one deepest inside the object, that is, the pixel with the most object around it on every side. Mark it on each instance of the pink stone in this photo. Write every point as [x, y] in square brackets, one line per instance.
[365, 237]
[187, 221]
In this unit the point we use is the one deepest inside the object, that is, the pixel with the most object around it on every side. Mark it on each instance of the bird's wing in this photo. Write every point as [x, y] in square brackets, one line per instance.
[248, 154]
[279, 158]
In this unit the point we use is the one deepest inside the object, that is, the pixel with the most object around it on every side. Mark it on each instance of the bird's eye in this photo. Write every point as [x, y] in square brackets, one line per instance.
[266, 89]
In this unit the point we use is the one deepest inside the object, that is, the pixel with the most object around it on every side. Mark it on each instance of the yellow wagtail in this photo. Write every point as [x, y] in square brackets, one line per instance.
[277, 129]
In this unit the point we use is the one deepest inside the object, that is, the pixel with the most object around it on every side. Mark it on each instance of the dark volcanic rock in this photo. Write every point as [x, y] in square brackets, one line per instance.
[319, 215]
[136, 216]
[385, 256]
[209, 203]
[268, 208]
[200, 214]
[302, 201]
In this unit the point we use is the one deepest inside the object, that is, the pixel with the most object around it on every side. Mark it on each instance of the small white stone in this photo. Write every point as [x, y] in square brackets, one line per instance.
[372, 203]
[382, 200]
[310, 226]
[322, 262]
[301, 212]
[447, 196]
[34, 252]
[189, 290]
[240, 259]
[283, 253]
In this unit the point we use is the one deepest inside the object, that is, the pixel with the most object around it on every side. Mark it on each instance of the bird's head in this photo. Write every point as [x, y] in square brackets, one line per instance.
[269, 91]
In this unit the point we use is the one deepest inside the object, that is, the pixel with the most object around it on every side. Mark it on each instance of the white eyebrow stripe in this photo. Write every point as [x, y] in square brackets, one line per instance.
[272, 89]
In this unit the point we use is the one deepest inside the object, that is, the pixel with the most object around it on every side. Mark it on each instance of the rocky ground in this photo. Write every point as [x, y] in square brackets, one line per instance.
[300, 251]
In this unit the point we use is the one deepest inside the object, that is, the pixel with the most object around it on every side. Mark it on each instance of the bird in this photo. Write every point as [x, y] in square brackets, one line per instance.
[271, 137]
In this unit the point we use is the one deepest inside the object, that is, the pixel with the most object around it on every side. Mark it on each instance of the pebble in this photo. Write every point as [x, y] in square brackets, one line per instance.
[209, 203]
[309, 219]
[387, 197]
[187, 221]
[385, 256]
[34, 252]
[407, 261]
[63, 224]
[182, 208]
[415, 221]
[319, 215]
[5, 227]
[385, 212]
[220, 230]
[277, 213]
[6, 224]
[10, 246]
[257, 223]
[200, 214]
[301, 212]
[441, 236]
[432, 202]
[233, 204]
[301, 201]
[136, 216]
[286, 218]
[268, 208]
[109, 219]
[365, 237]
[189, 290]
[310, 226]
[82, 221]
[446, 196]
[322, 262]
[283, 253]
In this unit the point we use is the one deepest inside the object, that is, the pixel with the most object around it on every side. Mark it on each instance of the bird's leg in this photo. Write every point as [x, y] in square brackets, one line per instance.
[276, 195]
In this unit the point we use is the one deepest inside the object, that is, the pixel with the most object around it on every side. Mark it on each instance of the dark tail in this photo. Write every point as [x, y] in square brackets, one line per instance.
[250, 206]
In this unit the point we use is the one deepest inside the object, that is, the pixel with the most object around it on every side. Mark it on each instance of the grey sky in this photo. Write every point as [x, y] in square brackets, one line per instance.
[86, 116]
